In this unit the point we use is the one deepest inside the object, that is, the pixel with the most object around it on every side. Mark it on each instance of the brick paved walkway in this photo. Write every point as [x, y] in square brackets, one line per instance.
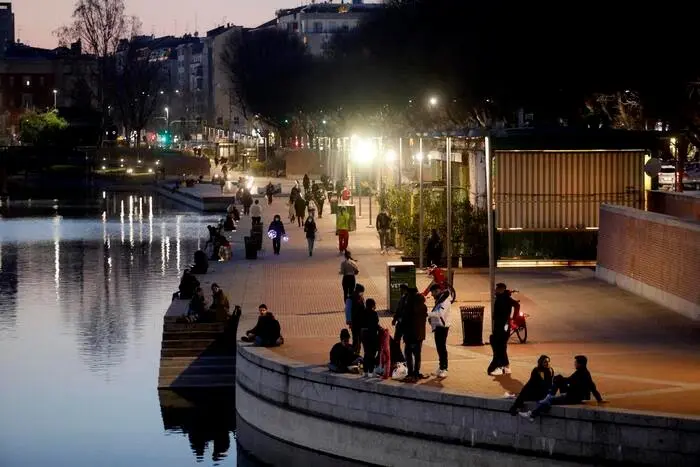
[642, 356]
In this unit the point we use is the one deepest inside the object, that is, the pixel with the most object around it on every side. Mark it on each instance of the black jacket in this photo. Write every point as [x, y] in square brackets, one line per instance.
[581, 386]
[267, 327]
[383, 221]
[357, 312]
[501, 311]
[415, 316]
[343, 356]
[310, 228]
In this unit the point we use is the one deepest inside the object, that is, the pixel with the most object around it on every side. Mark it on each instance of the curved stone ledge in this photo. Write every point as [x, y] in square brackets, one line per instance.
[401, 424]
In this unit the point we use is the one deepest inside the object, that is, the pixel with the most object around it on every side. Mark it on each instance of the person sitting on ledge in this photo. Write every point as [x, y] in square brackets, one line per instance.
[197, 308]
[229, 225]
[188, 286]
[201, 263]
[267, 331]
[220, 309]
[343, 357]
[537, 387]
[573, 390]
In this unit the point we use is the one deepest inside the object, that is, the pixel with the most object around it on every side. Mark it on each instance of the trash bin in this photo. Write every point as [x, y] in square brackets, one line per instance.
[472, 324]
[257, 239]
[251, 250]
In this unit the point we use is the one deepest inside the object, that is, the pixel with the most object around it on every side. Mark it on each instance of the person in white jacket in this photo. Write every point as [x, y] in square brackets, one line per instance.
[440, 320]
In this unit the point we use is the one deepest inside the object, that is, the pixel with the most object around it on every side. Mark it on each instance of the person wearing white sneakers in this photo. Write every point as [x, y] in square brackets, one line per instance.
[439, 320]
[502, 309]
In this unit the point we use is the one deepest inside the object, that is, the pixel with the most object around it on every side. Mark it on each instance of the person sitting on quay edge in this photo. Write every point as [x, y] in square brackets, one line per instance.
[229, 224]
[197, 310]
[573, 390]
[267, 331]
[188, 286]
[537, 387]
[201, 263]
[343, 357]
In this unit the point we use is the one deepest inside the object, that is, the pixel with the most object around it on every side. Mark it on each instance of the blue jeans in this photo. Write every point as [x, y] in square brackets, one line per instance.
[545, 404]
[311, 241]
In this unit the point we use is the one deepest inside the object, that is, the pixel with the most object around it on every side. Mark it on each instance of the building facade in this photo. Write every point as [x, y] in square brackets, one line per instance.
[7, 26]
[317, 23]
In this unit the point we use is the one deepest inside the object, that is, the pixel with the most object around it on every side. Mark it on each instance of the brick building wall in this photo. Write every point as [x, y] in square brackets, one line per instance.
[682, 205]
[653, 255]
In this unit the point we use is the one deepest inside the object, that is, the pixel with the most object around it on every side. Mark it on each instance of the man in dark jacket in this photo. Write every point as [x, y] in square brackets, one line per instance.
[574, 390]
[383, 224]
[413, 326]
[502, 309]
[188, 286]
[343, 357]
[355, 314]
[400, 310]
[267, 331]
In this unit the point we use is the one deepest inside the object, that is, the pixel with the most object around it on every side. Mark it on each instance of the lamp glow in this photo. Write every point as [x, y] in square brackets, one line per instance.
[391, 155]
[363, 151]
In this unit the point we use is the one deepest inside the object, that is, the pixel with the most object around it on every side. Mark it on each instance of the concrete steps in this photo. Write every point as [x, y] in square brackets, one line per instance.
[193, 381]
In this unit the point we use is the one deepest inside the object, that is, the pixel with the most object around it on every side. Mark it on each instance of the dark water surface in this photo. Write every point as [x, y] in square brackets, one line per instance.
[83, 290]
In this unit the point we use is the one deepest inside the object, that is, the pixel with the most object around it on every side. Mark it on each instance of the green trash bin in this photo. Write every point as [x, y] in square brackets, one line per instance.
[399, 272]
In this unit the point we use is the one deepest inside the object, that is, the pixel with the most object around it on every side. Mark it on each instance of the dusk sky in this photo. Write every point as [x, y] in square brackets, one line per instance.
[35, 20]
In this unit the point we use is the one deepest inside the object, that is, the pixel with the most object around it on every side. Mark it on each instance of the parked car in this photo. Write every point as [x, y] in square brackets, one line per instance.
[667, 176]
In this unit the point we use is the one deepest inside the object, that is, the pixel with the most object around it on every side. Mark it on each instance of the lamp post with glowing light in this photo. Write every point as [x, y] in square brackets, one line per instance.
[362, 152]
[55, 98]
[419, 158]
[167, 117]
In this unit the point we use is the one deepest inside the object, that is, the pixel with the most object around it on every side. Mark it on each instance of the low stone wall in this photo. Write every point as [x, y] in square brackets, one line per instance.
[390, 423]
[652, 255]
[681, 205]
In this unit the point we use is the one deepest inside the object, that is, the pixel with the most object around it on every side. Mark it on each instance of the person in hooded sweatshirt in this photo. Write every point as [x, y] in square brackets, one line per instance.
[343, 358]
[277, 227]
[573, 390]
[413, 326]
[440, 320]
[267, 331]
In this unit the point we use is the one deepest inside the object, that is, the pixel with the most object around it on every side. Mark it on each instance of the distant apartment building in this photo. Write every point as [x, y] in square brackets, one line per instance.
[34, 79]
[317, 23]
[7, 26]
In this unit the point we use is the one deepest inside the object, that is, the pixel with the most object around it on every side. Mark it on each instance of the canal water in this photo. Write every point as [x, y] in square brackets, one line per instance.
[83, 289]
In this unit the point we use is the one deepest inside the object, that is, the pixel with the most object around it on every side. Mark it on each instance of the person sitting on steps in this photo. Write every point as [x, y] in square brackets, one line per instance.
[188, 286]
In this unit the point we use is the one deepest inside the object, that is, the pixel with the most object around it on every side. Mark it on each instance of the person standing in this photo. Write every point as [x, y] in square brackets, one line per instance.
[383, 224]
[306, 183]
[277, 227]
[502, 309]
[413, 326]
[354, 315]
[370, 337]
[439, 319]
[400, 312]
[310, 229]
[269, 191]
[433, 250]
[342, 226]
[348, 269]
[247, 200]
[256, 212]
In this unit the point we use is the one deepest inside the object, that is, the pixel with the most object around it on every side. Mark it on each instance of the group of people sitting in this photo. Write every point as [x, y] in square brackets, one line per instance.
[198, 311]
[221, 246]
[548, 390]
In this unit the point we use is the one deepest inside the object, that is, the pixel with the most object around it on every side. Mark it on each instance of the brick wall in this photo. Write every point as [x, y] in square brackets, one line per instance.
[653, 255]
[682, 205]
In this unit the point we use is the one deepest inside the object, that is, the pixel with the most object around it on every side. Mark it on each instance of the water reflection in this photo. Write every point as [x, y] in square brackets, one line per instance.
[84, 312]
[206, 418]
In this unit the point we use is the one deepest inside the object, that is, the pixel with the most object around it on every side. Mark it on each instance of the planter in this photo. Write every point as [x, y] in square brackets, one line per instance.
[475, 261]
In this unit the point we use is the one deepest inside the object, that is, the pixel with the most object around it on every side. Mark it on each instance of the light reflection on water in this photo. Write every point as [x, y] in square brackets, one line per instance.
[81, 306]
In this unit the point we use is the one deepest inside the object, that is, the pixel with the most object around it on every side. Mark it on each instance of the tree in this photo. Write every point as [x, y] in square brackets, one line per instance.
[42, 129]
[99, 25]
[265, 70]
[135, 83]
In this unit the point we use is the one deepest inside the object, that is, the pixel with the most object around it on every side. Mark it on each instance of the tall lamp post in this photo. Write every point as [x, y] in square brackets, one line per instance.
[55, 98]
[419, 156]
[490, 219]
[448, 151]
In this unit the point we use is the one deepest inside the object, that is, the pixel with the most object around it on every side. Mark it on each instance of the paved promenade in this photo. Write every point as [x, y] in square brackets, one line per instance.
[642, 356]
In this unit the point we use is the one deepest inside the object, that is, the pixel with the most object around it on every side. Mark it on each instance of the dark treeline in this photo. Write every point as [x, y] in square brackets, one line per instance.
[611, 64]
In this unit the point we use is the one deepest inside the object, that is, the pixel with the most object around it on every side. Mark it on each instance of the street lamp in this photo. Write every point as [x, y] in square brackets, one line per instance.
[433, 101]
[167, 118]
[55, 97]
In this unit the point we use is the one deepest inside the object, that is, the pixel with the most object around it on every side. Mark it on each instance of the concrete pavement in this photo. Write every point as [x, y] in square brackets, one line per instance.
[642, 356]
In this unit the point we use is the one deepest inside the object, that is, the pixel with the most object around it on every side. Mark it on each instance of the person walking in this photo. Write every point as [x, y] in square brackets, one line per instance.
[311, 207]
[502, 309]
[439, 319]
[342, 226]
[247, 200]
[433, 250]
[413, 326]
[310, 229]
[277, 227]
[256, 212]
[306, 183]
[348, 269]
[383, 224]
[300, 209]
